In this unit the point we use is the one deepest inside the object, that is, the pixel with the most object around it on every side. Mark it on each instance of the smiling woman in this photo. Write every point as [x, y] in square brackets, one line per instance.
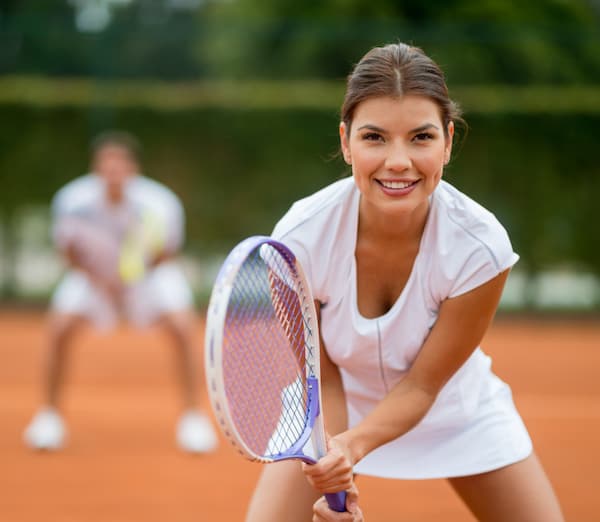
[397, 148]
[407, 273]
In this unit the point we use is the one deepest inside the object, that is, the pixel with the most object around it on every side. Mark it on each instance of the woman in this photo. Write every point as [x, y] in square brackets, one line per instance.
[407, 273]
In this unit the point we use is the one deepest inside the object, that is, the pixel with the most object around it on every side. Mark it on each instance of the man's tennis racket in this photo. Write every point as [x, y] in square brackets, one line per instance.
[262, 357]
[144, 240]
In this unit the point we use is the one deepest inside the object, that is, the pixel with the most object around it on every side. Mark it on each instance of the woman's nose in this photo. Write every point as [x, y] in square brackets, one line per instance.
[398, 158]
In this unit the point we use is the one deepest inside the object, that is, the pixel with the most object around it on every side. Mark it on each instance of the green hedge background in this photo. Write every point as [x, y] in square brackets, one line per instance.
[236, 103]
[237, 171]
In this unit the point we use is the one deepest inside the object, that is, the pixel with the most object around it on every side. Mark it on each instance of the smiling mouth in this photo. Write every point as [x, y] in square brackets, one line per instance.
[396, 185]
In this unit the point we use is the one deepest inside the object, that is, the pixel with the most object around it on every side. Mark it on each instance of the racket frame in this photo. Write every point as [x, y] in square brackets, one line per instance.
[216, 314]
[217, 311]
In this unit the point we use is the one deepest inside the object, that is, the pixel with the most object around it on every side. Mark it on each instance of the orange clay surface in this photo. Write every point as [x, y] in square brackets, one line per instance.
[121, 404]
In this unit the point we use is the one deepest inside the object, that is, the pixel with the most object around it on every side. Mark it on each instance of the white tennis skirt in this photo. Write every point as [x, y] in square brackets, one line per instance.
[473, 427]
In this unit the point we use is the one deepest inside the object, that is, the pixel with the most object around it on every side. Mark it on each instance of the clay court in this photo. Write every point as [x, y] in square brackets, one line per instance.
[122, 465]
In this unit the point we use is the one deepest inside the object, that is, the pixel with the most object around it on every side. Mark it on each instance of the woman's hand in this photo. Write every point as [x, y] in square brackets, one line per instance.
[333, 472]
[322, 512]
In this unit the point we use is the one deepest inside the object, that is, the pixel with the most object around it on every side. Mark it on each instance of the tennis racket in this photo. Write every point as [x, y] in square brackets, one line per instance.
[262, 357]
[145, 239]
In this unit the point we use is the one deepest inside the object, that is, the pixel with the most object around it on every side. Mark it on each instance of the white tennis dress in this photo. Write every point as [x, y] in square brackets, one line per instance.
[473, 425]
[162, 289]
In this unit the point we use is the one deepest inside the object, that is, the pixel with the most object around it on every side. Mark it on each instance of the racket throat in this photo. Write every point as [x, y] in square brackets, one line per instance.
[312, 418]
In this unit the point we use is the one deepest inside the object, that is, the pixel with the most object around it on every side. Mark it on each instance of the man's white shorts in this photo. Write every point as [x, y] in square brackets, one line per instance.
[164, 289]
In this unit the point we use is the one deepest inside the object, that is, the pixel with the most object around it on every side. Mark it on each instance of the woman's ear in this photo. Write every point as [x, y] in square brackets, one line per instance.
[448, 148]
[345, 143]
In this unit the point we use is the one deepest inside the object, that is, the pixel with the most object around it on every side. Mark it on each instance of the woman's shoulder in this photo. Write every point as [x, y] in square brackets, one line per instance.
[460, 208]
[467, 245]
[315, 209]
[318, 229]
[461, 219]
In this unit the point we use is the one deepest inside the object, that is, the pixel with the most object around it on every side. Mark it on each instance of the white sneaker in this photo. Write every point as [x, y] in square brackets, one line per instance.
[46, 431]
[195, 433]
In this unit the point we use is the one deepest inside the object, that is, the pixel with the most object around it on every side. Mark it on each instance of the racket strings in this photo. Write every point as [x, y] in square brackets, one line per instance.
[266, 334]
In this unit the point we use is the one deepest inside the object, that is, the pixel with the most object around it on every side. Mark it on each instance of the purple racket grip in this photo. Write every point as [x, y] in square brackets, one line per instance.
[337, 501]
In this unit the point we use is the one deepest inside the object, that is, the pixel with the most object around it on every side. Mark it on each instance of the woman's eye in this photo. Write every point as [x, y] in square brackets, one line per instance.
[372, 136]
[423, 136]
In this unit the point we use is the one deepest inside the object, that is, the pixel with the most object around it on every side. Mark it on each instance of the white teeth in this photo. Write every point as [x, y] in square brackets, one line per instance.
[396, 184]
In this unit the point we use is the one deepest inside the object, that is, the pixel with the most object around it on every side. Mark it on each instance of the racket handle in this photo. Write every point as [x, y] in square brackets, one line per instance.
[337, 501]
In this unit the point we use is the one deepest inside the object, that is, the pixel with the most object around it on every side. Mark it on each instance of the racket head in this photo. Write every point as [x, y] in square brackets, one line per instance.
[261, 353]
[143, 241]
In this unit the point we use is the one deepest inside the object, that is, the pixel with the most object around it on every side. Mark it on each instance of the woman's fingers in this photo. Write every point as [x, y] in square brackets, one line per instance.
[333, 472]
[330, 474]
[322, 512]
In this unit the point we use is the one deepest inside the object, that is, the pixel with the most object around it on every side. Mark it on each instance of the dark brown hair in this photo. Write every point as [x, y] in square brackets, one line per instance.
[396, 70]
[117, 138]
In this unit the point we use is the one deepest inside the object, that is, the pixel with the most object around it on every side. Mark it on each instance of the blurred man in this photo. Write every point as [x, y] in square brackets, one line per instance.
[119, 233]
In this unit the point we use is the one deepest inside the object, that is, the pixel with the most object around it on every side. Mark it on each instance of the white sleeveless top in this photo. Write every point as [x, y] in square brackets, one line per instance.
[473, 425]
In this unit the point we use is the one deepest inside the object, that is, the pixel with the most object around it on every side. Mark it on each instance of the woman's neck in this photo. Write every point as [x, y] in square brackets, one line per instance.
[384, 226]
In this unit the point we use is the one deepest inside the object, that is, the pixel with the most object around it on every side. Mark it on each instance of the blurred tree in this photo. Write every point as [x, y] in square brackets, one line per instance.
[485, 41]
[143, 39]
[238, 169]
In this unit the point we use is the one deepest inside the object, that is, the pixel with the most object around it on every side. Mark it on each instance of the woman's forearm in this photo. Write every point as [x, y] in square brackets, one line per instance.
[400, 411]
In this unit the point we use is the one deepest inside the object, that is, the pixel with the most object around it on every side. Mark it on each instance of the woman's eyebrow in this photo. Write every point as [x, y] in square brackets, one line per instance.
[371, 127]
[424, 127]
[418, 129]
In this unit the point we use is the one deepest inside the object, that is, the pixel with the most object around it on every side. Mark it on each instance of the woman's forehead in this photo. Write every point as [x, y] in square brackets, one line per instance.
[401, 110]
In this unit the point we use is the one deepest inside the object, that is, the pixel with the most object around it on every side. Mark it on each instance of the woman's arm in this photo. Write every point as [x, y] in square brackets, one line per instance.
[460, 327]
[332, 391]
